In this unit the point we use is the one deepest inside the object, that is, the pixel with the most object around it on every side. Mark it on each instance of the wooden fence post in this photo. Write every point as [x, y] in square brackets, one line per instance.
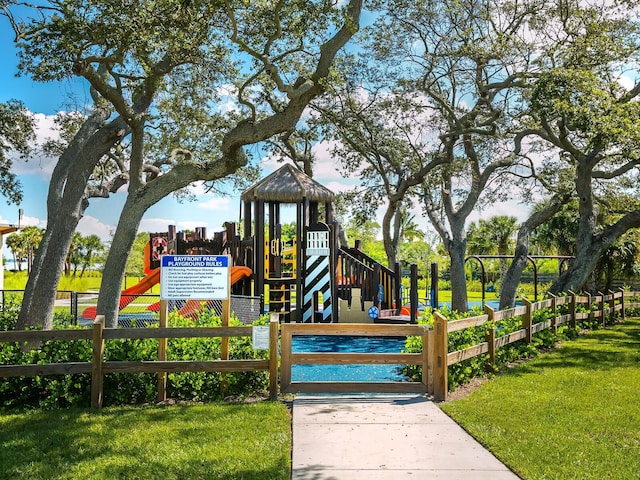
[554, 313]
[612, 305]
[491, 339]
[162, 351]
[527, 320]
[603, 318]
[274, 325]
[590, 318]
[285, 357]
[441, 351]
[572, 322]
[431, 352]
[623, 313]
[428, 359]
[96, 362]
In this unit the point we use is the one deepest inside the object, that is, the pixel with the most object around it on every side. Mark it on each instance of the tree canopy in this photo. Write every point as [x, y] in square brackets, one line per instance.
[178, 90]
[16, 134]
[447, 106]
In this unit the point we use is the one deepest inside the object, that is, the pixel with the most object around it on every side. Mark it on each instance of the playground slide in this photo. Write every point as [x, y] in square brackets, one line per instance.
[144, 285]
[128, 295]
[193, 306]
[152, 279]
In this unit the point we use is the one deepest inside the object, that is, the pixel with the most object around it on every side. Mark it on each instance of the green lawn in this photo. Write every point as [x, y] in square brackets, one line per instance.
[211, 441]
[89, 283]
[573, 413]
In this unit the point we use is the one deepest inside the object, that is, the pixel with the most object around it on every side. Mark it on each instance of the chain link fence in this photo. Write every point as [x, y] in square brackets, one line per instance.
[139, 310]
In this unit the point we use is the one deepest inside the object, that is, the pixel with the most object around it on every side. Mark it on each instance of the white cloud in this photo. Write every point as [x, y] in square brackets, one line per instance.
[32, 222]
[326, 167]
[89, 225]
[510, 208]
[155, 224]
[626, 82]
[228, 99]
[218, 204]
[192, 225]
[339, 187]
[162, 225]
[38, 164]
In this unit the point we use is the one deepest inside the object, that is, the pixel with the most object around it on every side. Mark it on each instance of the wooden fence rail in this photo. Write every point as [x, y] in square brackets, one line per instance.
[607, 305]
[98, 367]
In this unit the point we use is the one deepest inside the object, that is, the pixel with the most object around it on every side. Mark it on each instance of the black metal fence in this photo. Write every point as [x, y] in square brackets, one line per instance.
[138, 310]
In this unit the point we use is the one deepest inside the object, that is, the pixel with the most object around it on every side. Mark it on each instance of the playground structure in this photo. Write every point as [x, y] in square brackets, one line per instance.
[309, 278]
[325, 282]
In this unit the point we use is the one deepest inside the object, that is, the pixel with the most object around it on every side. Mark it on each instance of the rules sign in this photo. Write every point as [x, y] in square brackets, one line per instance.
[197, 277]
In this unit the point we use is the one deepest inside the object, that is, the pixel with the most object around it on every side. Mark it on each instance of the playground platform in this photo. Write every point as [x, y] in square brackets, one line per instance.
[376, 437]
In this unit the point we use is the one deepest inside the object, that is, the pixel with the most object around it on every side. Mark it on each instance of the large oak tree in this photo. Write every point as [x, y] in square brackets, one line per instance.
[158, 74]
[580, 109]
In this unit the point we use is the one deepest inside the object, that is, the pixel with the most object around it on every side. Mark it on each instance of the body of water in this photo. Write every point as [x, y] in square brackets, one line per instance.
[347, 373]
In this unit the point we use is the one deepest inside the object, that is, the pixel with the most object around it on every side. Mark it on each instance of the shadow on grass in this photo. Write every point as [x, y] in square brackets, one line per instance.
[614, 347]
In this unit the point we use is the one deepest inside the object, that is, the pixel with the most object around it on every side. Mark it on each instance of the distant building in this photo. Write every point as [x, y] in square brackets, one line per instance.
[5, 229]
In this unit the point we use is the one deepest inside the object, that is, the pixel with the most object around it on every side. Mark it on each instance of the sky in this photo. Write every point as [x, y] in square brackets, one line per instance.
[44, 100]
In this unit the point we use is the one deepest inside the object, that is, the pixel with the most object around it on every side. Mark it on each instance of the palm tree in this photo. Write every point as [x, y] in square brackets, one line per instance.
[24, 245]
[493, 237]
[16, 244]
[409, 229]
[92, 247]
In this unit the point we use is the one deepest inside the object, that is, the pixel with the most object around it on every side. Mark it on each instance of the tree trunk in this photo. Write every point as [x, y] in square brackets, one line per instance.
[115, 266]
[588, 246]
[458, 276]
[576, 276]
[39, 309]
[391, 232]
[65, 206]
[511, 279]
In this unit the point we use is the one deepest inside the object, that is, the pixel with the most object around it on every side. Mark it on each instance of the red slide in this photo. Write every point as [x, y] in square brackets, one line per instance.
[193, 306]
[129, 295]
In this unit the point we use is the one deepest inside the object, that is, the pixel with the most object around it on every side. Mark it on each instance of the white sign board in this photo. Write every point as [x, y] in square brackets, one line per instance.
[197, 277]
[260, 337]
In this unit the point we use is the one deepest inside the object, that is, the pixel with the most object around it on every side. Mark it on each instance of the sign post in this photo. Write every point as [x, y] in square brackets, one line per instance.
[193, 277]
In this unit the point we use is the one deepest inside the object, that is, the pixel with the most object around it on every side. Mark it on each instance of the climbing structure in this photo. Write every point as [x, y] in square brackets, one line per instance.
[262, 230]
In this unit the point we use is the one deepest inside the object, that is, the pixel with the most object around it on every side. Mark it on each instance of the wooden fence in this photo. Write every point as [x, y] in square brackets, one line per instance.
[606, 305]
[98, 367]
[434, 358]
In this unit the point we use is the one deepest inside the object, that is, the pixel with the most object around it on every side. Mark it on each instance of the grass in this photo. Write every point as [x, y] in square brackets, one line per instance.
[90, 282]
[210, 441]
[445, 296]
[570, 413]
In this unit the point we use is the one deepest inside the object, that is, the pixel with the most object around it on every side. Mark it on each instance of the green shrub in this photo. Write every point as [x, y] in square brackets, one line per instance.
[60, 391]
[463, 372]
[9, 312]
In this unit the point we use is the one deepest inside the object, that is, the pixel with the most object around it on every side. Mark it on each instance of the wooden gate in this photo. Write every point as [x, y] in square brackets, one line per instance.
[288, 358]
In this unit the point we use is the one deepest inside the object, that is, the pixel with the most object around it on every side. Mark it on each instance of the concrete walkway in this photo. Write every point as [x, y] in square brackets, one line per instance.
[384, 437]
